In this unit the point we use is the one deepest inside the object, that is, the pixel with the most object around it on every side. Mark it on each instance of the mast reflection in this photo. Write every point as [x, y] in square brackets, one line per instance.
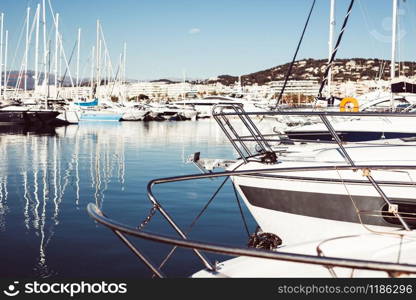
[48, 170]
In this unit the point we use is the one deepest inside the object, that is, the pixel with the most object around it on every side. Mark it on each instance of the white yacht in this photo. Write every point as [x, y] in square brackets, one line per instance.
[173, 111]
[327, 203]
[136, 112]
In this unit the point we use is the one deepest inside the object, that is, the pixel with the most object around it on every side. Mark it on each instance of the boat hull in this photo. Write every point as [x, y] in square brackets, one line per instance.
[134, 115]
[288, 208]
[357, 130]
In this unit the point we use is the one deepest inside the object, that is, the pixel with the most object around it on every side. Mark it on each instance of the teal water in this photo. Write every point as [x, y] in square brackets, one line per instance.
[48, 178]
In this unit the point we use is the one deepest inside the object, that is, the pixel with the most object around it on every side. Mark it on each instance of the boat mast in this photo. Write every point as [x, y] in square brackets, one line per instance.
[97, 55]
[99, 65]
[48, 75]
[45, 49]
[37, 47]
[105, 67]
[393, 48]
[124, 72]
[92, 72]
[1, 52]
[120, 74]
[61, 49]
[78, 55]
[183, 84]
[5, 65]
[56, 52]
[27, 46]
[331, 44]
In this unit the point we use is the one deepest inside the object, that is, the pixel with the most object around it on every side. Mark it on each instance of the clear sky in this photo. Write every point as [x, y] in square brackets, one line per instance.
[209, 38]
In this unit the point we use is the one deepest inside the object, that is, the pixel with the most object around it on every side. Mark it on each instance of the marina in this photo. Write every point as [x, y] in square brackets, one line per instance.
[113, 166]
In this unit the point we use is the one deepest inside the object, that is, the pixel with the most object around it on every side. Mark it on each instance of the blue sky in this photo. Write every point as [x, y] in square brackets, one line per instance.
[210, 38]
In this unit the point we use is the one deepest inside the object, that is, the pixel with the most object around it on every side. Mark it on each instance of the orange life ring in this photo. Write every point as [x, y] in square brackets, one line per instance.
[345, 105]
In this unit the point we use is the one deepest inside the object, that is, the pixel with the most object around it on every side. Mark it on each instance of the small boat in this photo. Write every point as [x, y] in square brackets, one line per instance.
[136, 112]
[323, 210]
[94, 102]
[172, 112]
[27, 117]
[205, 105]
[22, 115]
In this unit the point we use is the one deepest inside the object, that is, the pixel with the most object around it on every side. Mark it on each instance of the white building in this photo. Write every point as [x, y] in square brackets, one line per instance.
[304, 87]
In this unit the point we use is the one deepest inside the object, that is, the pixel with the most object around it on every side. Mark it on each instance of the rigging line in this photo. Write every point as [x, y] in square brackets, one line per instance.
[115, 79]
[25, 57]
[334, 52]
[13, 62]
[358, 211]
[364, 14]
[197, 218]
[289, 71]
[207, 204]
[66, 70]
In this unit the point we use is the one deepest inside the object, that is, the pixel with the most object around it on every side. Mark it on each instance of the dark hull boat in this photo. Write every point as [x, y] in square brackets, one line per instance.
[27, 117]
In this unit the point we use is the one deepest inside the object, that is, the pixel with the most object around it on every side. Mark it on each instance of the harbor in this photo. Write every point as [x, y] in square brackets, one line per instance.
[116, 163]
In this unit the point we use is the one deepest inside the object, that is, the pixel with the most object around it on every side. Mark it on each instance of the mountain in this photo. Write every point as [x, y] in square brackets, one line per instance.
[354, 69]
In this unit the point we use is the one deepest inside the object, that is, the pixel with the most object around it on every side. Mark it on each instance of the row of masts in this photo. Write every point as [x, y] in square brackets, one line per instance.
[98, 73]
[99, 55]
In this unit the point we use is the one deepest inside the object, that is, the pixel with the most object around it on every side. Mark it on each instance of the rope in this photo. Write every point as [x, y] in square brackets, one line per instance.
[358, 211]
[198, 217]
[334, 52]
[289, 71]
[66, 70]
[207, 204]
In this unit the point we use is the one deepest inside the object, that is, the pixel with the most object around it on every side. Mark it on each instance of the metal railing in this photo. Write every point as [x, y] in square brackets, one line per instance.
[239, 141]
[122, 230]
[221, 114]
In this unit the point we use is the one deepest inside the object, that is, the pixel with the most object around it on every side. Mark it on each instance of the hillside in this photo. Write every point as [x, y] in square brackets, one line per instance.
[353, 69]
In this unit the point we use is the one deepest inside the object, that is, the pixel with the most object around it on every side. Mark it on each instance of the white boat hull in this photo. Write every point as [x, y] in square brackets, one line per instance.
[69, 116]
[311, 205]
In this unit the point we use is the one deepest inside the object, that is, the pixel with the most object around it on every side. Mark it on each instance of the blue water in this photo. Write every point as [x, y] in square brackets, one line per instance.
[48, 178]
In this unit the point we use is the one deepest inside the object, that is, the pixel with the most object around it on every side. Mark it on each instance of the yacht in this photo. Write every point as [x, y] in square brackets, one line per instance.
[136, 112]
[14, 113]
[322, 209]
[205, 105]
[358, 128]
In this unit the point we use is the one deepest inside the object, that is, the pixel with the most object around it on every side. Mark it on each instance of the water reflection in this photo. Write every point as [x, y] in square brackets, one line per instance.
[48, 176]
[45, 166]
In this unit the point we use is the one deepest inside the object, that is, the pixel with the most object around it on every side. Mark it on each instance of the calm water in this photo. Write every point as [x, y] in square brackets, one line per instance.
[47, 179]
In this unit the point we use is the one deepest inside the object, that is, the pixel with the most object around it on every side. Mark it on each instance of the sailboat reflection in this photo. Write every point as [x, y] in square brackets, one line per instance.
[47, 170]
[48, 176]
